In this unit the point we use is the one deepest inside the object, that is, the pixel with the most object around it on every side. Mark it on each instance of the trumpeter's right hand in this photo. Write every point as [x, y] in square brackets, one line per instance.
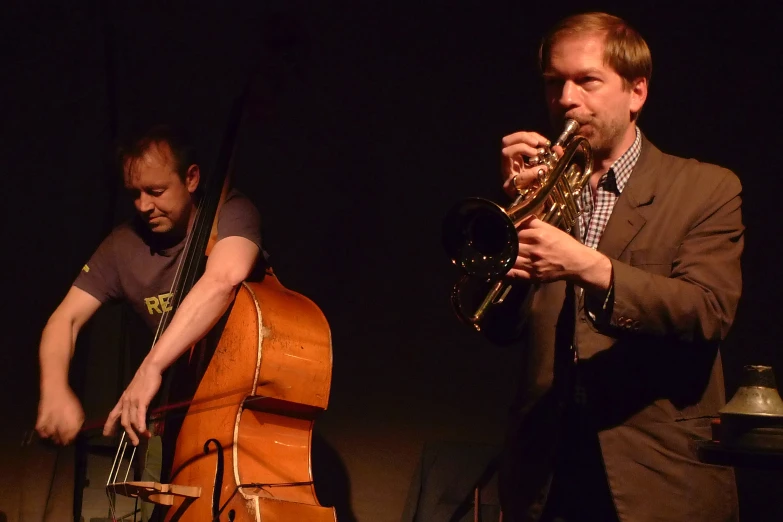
[518, 154]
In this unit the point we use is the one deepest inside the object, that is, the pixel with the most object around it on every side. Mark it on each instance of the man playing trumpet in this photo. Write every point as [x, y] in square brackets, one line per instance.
[621, 364]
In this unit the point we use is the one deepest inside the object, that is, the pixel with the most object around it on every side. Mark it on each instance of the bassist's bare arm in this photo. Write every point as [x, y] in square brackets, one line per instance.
[60, 415]
[230, 262]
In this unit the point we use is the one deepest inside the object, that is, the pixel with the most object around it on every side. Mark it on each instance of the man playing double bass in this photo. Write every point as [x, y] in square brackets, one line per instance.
[137, 263]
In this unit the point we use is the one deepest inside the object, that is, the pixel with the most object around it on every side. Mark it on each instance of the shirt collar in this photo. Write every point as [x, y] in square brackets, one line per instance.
[624, 165]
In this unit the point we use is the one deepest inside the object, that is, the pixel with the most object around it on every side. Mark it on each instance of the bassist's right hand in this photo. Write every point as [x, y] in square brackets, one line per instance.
[60, 416]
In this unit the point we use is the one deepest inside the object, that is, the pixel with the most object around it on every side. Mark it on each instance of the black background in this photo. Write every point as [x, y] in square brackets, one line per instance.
[372, 119]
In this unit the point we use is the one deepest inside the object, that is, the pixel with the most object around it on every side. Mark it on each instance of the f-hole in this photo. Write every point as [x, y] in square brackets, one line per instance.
[218, 483]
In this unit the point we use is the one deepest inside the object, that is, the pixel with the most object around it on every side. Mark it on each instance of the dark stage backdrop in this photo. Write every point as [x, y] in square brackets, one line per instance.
[372, 119]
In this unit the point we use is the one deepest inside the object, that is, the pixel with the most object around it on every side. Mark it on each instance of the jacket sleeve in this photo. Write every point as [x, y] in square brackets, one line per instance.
[698, 300]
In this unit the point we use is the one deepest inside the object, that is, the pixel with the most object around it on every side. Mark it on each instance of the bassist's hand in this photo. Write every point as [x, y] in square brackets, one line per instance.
[131, 410]
[60, 416]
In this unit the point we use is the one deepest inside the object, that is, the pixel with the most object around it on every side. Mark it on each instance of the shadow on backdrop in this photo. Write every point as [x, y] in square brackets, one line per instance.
[332, 484]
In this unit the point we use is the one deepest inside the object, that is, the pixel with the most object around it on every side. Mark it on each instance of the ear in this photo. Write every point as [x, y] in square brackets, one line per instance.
[638, 95]
[192, 178]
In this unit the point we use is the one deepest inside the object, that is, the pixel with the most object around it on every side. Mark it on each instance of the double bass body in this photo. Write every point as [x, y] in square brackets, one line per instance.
[246, 437]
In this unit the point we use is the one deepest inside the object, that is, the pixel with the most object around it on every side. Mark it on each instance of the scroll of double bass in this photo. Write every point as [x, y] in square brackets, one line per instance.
[241, 450]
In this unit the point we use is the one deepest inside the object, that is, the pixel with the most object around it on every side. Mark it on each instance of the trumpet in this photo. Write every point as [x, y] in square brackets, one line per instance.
[480, 236]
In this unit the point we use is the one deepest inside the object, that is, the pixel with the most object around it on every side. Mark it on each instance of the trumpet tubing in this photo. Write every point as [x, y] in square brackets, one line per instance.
[480, 236]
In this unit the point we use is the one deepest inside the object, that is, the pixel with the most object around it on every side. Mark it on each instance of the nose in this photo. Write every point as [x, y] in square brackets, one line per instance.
[569, 95]
[144, 203]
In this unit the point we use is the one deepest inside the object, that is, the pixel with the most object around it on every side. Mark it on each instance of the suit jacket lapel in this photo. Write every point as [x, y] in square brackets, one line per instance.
[626, 221]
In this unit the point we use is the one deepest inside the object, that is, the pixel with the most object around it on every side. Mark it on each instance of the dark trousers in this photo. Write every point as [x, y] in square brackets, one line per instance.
[579, 491]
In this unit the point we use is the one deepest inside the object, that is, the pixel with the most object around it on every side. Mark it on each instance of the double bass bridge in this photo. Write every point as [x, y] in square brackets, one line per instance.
[147, 491]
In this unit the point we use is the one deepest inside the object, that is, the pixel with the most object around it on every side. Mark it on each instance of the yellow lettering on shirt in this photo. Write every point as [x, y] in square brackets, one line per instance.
[152, 305]
[165, 301]
[159, 304]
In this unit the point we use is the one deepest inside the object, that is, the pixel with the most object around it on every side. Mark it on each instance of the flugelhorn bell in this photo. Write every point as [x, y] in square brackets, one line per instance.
[480, 236]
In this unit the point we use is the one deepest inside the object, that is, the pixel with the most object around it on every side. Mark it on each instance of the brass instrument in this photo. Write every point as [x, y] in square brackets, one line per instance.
[480, 236]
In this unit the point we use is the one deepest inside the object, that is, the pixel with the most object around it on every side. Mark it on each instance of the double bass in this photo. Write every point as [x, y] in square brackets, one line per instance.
[242, 402]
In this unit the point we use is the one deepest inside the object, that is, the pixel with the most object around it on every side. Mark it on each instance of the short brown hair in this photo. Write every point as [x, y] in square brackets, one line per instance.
[625, 50]
[137, 143]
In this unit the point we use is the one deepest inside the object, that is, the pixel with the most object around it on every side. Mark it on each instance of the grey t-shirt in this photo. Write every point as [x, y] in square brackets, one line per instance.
[127, 266]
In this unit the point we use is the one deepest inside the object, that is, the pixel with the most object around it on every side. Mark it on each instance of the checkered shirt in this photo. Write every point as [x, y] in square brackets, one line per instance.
[597, 207]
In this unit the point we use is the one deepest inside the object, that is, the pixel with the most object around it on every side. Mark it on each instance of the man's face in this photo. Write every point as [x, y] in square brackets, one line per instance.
[581, 86]
[161, 198]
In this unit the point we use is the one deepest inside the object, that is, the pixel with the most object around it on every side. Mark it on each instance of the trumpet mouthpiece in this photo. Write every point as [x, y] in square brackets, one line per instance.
[571, 126]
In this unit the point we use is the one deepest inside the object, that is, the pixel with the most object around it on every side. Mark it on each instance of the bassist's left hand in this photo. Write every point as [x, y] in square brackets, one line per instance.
[131, 410]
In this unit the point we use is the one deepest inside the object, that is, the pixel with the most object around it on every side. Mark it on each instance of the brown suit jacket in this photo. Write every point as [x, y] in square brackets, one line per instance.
[650, 363]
